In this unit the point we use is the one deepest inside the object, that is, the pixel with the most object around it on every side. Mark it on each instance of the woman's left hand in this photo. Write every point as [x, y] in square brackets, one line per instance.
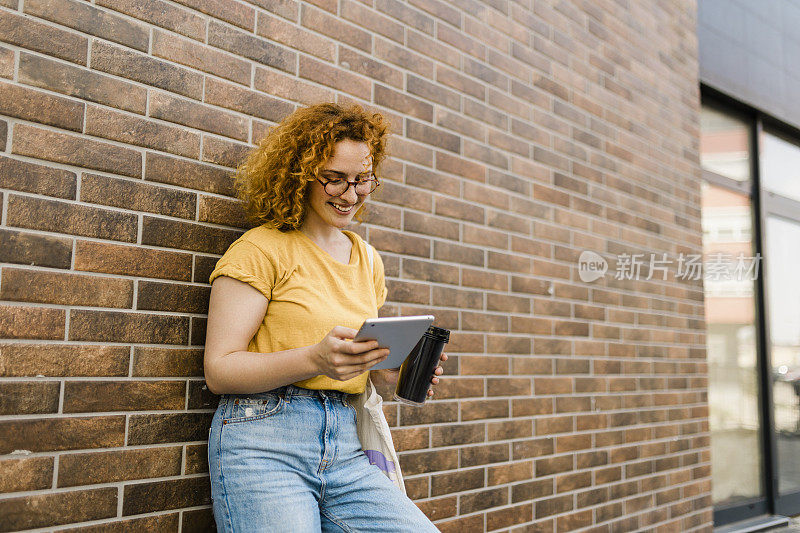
[390, 375]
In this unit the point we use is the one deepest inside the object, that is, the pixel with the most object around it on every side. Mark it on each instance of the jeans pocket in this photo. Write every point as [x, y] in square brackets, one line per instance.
[254, 407]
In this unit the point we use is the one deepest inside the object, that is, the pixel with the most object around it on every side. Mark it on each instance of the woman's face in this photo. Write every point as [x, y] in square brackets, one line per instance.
[350, 159]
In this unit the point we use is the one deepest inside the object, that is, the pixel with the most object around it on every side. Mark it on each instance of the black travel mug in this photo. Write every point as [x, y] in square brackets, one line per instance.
[417, 370]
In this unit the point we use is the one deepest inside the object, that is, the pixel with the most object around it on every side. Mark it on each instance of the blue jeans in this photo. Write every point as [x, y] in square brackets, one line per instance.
[289, 460]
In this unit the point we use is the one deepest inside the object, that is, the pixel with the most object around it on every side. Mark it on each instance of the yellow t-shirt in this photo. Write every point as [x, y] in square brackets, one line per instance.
[309, 291]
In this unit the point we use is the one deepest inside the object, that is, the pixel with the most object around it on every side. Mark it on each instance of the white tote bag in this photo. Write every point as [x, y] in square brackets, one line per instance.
[373, 430]
[374, 434]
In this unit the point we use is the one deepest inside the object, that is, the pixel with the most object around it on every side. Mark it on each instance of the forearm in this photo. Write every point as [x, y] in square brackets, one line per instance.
[245, 372]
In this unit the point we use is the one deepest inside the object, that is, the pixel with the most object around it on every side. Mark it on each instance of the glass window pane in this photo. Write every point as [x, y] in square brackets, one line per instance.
[733, 390]
[780, 165]
[724, 144]
[783, 291]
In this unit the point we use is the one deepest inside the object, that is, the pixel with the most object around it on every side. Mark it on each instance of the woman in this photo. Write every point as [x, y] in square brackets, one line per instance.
[286, 299]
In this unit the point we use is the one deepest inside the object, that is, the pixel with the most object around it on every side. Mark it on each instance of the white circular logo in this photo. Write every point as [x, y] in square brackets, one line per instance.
[591, 266]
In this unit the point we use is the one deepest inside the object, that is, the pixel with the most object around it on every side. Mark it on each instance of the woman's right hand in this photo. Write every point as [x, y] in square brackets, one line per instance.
[339, 357]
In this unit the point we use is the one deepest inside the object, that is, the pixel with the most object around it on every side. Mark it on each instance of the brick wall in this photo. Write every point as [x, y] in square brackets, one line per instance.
[526, 132]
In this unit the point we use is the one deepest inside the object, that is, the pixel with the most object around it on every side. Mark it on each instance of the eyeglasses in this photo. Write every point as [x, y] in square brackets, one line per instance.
[363, 186]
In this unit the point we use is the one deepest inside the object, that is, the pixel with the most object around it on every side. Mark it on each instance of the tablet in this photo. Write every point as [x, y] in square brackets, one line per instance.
[398, 333]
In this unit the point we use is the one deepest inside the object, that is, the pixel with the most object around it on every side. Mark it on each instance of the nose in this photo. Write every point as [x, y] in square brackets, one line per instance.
[350, 195]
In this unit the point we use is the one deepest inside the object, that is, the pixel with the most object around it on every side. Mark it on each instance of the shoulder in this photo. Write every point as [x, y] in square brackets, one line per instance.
[268, 240]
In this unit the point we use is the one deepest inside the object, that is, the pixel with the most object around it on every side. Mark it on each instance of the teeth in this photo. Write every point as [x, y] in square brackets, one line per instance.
[338, 208]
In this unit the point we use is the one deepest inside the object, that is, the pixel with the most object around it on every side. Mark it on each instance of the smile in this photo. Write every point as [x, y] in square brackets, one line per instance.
[342, 209]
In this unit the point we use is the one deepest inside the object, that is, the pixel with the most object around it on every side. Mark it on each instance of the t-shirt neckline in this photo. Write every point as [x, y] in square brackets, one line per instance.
[347, 234]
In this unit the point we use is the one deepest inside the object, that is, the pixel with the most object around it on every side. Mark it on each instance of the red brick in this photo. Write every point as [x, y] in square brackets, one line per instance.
[237, 13]
[200, 397]
[188, 113]
[429, 271]
[196, 459]
[142, 498]
[65, 289]
[75, 150]
[516, 429]
[6, 63]
[175, 297]
[188, 174]
[439, 10]
[532, 490]
[505, 517]
[127, 327]
[186, 236]
[443, 435]
[319, 72]
[56, 434]
[450, 207]
[482, 500]
[485, 454]
[161, 14]
[90, 396]
[483, 409]
[29, 473]
[222, 211]
[509, 473]
[507, 345]
[278, 30]
[432, 461]
[466, 169]
[89, 19]
[129, 129]
[161, 522]
[84, 84]
[460, 83]
[365, 65]
[482, 365]
[198, 56]
[44, 510]
[438, 508]
[430, 413]
[407, 105]
[29, 398]
[333, 26]
[136, 195]
[223, 152]
[28, 360]
[382, 215]
[38, 106]
[51, 215]
[17, 322]
[132, 261]
[398, 194]
[289, 88]
[508, 386]
[438, 94]
[145, 69]
[38, 179]
[433, 136]
[163, 428]
[245, 101]
[459, 525]
[107, 467]
[390, 241]
[30, 34]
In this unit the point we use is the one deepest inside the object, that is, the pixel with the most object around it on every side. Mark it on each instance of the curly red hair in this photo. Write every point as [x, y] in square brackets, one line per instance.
[273, 180]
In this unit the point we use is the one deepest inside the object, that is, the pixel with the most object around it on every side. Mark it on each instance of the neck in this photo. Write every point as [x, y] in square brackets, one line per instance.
[319, 231]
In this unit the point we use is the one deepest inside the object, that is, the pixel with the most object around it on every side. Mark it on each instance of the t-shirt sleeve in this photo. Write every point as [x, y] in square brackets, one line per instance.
[378, 278]
[247, 262]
